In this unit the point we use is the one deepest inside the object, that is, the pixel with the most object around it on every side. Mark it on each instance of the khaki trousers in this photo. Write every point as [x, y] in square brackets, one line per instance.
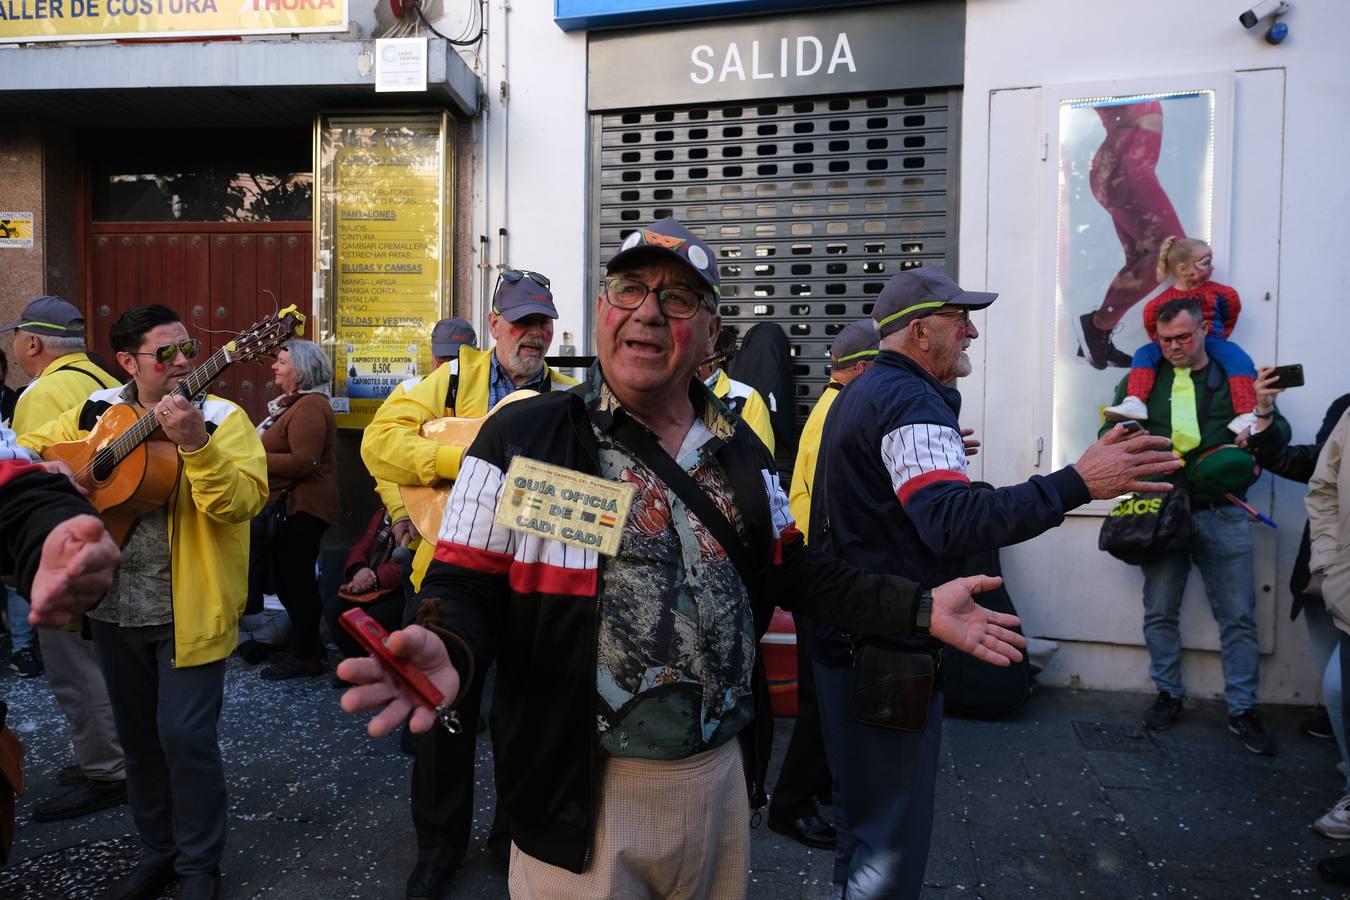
[669, 829]
[77, 682]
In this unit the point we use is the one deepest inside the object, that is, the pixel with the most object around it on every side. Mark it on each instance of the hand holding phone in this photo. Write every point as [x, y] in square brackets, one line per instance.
[372, 637]
[1288, 376]
[1130, 426]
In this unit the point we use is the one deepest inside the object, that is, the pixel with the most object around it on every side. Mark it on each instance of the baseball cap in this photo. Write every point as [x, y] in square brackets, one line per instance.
[450, 334]
[520, 294]
[51, 316]
[915, 293]
[668, 238]
[856, 341]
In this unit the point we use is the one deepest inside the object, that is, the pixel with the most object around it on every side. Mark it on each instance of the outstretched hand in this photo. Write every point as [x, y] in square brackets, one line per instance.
[376, 688]
[76, 569]
[1118, 464]
[961, 623]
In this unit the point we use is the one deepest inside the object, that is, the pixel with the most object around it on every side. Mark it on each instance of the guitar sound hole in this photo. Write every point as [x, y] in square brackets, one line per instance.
[103, 466]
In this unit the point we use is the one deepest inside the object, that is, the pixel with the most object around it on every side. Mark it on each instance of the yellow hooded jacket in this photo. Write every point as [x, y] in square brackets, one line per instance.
[393, 448]
[221, 487]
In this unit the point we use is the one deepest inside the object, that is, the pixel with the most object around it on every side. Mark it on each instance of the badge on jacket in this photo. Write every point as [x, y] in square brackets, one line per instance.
[564, 505]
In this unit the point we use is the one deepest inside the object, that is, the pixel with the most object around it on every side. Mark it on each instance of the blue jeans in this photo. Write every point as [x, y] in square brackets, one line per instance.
[1333, 697]
[885, 783]
[20, 632]
[1222, 550]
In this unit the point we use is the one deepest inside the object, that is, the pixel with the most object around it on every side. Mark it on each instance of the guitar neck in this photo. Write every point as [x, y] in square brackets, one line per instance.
[192, 384]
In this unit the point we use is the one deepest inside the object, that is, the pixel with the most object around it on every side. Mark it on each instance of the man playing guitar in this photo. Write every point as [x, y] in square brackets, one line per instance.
[169, 621]
[521, 324]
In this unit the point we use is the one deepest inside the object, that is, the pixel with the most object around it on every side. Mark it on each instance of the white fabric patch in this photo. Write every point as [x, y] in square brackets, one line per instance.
[911, 450]
[698, 257]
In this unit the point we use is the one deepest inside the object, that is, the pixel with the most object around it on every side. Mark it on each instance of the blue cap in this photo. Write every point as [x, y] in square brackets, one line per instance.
[668, 238]
[520, 294]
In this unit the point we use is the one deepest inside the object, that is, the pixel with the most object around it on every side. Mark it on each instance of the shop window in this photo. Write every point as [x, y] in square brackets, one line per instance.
[201, 176]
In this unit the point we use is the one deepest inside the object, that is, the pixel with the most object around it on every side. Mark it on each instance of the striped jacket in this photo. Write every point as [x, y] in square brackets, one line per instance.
[892, 490]
[533, 605]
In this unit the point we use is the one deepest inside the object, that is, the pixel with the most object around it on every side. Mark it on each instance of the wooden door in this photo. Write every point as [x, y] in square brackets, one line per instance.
[220, 277]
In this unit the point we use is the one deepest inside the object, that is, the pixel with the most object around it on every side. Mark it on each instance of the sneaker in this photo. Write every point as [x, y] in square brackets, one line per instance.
[1164, 712]
[27, 663]
[1247, 728]
[1096, 346]
[1336, 823]
[1317, 725]
[1129, 408]
[1244, 422]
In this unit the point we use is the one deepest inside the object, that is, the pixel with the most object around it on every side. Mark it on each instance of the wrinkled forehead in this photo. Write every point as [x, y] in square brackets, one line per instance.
[663, 271]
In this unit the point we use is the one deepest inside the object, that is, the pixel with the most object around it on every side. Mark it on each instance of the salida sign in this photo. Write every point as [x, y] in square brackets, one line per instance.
[905, 46]
[70, 20]
[780, 61]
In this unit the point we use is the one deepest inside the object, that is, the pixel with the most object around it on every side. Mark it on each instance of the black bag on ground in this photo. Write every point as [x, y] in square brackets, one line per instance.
[977, 689]
[1141, 528]
[764, 361]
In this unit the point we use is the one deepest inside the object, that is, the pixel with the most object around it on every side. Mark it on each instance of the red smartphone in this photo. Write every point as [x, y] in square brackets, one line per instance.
[372, 636]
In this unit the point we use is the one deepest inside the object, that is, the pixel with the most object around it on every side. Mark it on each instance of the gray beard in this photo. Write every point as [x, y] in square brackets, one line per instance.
[526, 367]
[963, 367]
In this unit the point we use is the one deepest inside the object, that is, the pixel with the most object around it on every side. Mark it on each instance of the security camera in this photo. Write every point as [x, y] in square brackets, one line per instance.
[1262, 10]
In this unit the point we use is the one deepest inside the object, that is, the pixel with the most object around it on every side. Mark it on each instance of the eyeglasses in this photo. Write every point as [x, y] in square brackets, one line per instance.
[511, 276]
[1177, 339]
[675, 302]
[962, 316]
[166, 354]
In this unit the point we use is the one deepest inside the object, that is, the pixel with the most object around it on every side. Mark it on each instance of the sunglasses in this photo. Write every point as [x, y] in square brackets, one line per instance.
[169, 352]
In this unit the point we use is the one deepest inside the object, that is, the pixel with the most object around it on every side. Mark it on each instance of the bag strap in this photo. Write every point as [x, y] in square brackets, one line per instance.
[72, 367]
[651, 454]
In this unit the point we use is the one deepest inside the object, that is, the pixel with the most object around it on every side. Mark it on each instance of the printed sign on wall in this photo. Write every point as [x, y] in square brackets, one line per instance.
[382, 214]
[76, 20]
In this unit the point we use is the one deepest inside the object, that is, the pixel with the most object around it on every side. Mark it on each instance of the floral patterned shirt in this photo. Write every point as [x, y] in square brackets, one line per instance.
[676, 646]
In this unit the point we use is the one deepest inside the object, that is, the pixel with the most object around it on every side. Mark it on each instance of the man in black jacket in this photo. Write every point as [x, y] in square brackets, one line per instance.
[624, 673]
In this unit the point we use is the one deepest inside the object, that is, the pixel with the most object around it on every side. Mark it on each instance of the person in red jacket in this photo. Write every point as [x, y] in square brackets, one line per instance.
[1190, 263]
[373, 574]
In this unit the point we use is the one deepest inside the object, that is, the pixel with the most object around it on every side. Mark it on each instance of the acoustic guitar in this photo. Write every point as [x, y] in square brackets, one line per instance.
[426, 503]
[127, 463]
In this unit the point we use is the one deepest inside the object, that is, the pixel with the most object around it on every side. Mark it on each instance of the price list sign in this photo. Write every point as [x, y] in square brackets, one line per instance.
[381, 253]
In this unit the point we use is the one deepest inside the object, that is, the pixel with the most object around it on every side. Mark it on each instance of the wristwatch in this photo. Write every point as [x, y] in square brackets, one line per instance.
[925, 612]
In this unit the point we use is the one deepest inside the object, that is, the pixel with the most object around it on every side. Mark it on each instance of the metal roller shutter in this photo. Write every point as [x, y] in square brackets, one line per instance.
[810, 203]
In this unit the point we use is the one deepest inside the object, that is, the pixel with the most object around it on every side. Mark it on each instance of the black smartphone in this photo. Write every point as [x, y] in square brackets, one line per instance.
[1131, 426]
[1290, 375]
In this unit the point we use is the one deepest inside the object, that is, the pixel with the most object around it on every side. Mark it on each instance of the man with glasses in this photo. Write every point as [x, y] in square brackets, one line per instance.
[893, 495]
[165, 628]
[49, 344]
[521, 325]
[631, 707]
[1191, 404]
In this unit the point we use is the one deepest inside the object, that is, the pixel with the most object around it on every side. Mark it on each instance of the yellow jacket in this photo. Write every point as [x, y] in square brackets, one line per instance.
[65, 383]
[746, 402]
[804, 471]
[388, 490]
[393, 448]
[221, 487]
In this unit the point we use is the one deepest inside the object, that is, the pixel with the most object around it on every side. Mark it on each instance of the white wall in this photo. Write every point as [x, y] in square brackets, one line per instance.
[529, 155]
[1287, 234]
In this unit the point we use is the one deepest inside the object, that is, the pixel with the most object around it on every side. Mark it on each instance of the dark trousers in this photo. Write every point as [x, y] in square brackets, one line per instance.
[166, 719]
[805, 775]
[293, 553]
[884, 785]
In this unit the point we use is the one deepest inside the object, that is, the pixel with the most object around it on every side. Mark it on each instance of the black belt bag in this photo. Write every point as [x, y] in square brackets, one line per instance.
[893, 687]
